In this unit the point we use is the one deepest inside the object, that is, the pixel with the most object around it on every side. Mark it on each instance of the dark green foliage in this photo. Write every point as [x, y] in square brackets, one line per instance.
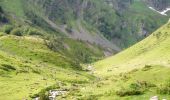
[147, 67]
[79, 51]
[128, 92]
[43, 94]
[38, 21]
[158, 35]
[136, 88]
[55, 43]
[69, 29]
[34, 32]
[3, 18]
[91, 97]
[17, 32]
[7, 29]
[36, 71]
[1, 10]
[164, 88]
[7, 67]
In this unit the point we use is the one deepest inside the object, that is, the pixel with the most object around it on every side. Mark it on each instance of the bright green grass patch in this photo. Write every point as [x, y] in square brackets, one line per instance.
[27, 66]
[152, 50]
[138, 84]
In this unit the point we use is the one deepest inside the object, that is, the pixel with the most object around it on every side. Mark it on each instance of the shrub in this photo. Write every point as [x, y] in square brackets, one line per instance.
[164, 88]
[125, 76]
[7, 67]
[158, 35]
[34, 32]
[90, 97]
[43, 94]
[129, 92]
[69, 29]
[136, 88]
[7, 29]
[1, 34]
[17, 32]
[1, 10]
[147, 67]
[133, 89]
[36, 71]
[22, 71]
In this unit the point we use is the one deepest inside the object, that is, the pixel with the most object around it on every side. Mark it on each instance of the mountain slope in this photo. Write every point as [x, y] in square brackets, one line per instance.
[140, 72]
[113, 24]
[152, 50]
[47, 45]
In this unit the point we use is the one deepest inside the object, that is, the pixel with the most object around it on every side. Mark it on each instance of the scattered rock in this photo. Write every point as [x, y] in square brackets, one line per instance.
[90, 68]
[54, 93]
[37, 98]
[154, 98]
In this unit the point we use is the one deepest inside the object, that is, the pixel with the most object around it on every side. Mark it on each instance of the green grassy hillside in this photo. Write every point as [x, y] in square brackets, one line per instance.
[152, 50]
[140, 72]
[48, 44]
[27, 66]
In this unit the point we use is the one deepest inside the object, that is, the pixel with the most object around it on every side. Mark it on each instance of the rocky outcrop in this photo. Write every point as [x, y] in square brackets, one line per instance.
[159, 4]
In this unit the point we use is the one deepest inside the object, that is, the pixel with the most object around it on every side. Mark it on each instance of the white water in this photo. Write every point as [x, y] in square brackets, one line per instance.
[55, 93]
[161, 12]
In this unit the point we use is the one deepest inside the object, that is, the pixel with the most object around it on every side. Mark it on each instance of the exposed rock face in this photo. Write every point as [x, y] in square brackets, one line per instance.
[159, 4]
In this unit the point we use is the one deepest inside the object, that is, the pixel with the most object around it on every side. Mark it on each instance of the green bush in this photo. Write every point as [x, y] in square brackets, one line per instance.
[7, 29]
[1, 34]
[129, 92]
[164, 88]
[91, 97]
[43, 94]
[1, 10]
[34, 32]
[133, 89]
[147, 67]
[136, 88]
[69, 29]
[7, 67]
[17, 32]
